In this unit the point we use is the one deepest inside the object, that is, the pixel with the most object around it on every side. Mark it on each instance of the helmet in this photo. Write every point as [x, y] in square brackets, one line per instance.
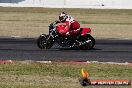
[62, 17]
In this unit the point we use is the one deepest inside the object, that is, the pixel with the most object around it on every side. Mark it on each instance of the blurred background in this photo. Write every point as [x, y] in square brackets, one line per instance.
[121, 4]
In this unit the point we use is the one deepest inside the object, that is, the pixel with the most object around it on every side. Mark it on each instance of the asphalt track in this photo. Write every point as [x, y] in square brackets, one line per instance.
[104, 51]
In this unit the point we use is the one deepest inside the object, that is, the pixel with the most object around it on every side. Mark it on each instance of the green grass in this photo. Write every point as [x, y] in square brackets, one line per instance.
[66, 70]
[58, 75]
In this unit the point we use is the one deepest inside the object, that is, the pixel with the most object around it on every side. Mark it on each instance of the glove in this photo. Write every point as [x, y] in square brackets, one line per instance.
[57, 22]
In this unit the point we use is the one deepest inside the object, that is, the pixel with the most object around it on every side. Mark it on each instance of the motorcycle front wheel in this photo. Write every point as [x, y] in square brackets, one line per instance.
[45, 42]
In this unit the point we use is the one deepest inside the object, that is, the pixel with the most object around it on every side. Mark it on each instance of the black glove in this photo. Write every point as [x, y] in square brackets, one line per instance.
[57, 22]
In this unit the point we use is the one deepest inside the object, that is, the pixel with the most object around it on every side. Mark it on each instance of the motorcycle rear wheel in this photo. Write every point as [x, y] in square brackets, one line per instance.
[89, 45]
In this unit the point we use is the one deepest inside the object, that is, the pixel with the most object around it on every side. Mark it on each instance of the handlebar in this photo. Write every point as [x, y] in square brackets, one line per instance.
[54, 23]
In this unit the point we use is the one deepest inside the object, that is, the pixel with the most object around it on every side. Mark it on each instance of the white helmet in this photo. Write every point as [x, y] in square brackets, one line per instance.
[62, 17]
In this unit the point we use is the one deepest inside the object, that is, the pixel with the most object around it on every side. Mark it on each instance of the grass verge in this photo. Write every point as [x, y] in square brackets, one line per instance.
[58, 75]
[31, 22]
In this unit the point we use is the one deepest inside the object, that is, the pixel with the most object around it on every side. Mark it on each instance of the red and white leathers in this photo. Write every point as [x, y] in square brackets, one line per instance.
[71, 26]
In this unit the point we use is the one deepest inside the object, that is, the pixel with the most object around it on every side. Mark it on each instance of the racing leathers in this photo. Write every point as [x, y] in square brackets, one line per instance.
[72, 26]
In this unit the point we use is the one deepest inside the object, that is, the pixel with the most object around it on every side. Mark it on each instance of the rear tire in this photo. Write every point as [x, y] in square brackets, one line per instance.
[89, 45]
[44, 42]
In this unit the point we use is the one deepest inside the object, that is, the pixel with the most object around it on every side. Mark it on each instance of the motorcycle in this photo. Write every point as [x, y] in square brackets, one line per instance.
[83, 40]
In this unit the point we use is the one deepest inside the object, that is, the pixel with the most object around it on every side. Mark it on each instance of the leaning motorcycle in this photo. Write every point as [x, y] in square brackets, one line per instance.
[83, 40]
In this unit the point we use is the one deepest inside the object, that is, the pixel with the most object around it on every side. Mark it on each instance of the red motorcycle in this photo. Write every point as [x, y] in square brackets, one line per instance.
[82, 40]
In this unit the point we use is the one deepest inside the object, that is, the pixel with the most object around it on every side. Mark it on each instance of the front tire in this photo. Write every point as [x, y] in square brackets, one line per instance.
[45, 42]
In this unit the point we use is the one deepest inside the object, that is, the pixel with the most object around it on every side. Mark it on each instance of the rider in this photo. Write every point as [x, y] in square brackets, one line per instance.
[72, 26]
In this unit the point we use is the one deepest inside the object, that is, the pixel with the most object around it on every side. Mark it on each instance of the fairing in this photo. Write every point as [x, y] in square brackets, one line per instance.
[85, 31]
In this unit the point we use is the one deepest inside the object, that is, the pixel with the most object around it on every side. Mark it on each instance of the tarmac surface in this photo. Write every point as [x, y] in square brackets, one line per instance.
[105, 51]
